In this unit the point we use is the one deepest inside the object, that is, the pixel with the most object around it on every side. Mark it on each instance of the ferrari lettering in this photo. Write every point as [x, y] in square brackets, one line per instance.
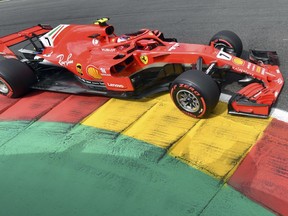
[65, 62]
[240, 69]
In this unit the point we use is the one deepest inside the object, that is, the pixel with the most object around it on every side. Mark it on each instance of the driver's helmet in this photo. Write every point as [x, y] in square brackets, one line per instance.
[123, 38]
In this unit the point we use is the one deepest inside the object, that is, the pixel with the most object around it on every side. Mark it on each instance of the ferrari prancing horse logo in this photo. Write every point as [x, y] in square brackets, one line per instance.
[144, 59]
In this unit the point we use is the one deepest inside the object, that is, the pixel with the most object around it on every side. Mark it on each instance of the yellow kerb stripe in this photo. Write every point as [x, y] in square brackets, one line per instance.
[116, 115]
[214, 145]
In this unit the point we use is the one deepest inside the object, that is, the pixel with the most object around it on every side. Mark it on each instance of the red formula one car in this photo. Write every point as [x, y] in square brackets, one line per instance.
[93, 59]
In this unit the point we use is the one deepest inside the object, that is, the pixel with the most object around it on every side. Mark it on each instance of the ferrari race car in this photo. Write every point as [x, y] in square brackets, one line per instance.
[92, 59]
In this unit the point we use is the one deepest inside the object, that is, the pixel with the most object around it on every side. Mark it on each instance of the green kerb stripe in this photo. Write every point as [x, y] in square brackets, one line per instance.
[63, 169]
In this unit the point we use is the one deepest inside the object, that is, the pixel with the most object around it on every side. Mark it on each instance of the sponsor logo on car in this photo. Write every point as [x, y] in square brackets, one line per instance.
[115, 85]
[95, 41]
[144, 59]
[238, 61]
[79, 69]
[93, 72]
[108, 49]
[63, 61]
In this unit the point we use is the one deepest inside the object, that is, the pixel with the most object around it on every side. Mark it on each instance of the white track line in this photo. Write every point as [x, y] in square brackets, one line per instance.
[275, 113]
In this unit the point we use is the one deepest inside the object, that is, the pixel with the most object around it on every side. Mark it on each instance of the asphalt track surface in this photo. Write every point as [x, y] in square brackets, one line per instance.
[260, 24]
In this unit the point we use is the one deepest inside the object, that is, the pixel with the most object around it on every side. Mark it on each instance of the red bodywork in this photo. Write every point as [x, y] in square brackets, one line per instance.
[95, 54]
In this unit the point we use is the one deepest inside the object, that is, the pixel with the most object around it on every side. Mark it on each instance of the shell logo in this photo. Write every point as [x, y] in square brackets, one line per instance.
[93, 72]
[238, 61]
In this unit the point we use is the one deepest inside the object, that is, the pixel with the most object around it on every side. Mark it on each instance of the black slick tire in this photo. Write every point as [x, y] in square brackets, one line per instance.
[229, 41]
[16, 78]
[195, 93]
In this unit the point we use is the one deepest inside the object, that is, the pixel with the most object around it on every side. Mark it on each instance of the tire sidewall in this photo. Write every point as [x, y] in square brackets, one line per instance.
[202, 86]
[178, 86]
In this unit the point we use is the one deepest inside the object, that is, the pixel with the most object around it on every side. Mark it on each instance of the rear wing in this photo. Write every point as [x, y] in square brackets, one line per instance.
[18, 37]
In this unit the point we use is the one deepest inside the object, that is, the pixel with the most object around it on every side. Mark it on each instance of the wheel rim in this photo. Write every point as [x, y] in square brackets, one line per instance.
[188, 101]
[225, 47]
[3, 88]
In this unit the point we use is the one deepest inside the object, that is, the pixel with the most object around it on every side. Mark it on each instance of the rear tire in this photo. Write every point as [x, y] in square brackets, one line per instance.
[16, 78]
[195, 93]
[229, 41]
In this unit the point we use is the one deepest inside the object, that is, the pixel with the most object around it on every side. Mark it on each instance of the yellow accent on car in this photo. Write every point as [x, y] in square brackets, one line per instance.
[101, 21]
[238, 61]
[144, 59]
[93, 72]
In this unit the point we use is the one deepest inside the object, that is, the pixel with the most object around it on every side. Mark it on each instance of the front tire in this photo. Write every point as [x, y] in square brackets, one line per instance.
[228, 41]
[195, 93]
[16, 78]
